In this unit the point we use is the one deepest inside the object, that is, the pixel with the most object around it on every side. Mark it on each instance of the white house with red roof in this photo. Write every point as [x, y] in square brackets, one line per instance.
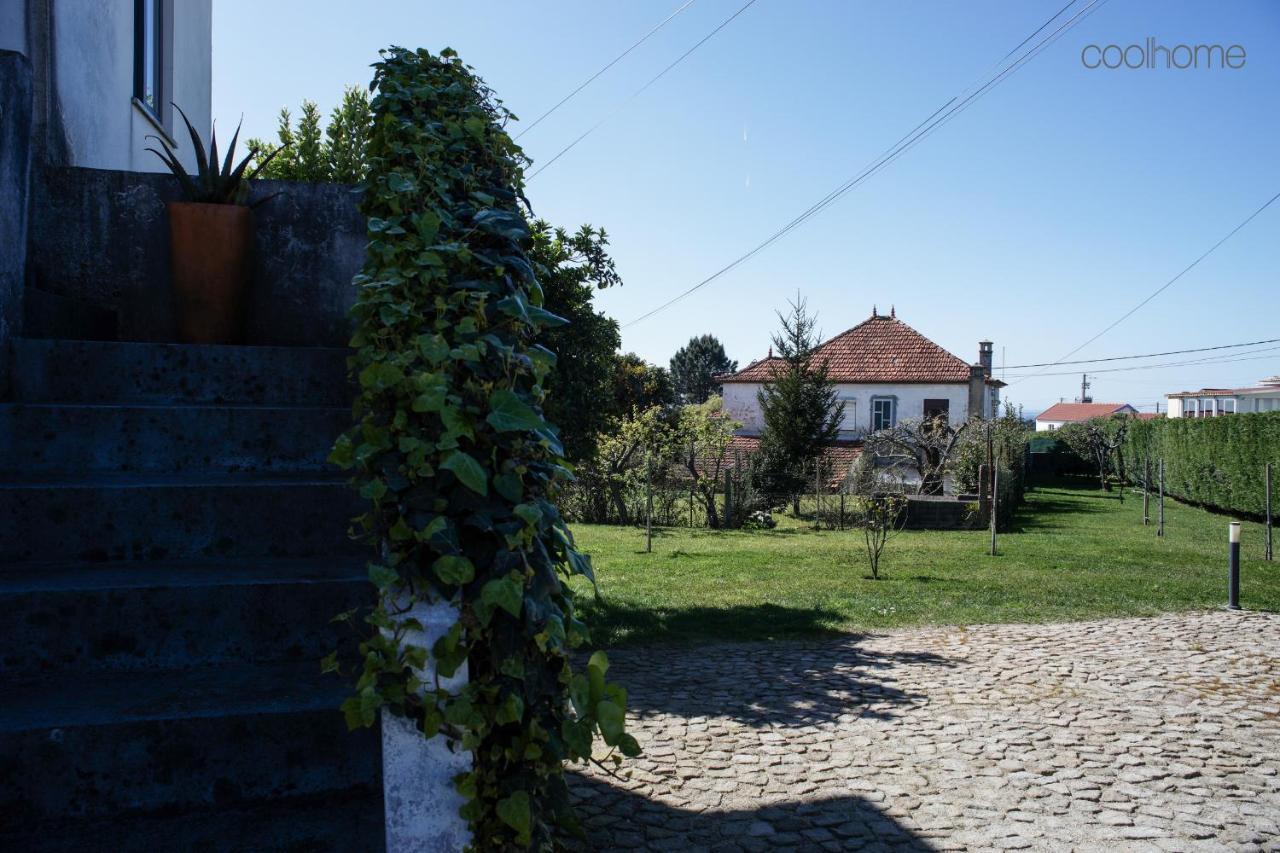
[1075, 413]
[1209, 402]
[885, 371]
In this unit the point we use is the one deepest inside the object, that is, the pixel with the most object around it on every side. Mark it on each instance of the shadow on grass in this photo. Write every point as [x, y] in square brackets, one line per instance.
[619, 819]
[613, 623]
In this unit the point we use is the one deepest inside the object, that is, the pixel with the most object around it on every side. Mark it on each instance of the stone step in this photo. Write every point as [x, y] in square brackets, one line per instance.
[168, 742]
[154, 517]
[174, 614]
[348, 820]
[57, 438]
[65, 371]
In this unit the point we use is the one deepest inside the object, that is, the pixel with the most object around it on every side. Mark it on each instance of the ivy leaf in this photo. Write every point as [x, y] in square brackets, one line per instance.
[454, 570]
[612, 720]
[507, 593]
[468, 471]
[504, 223]
[382, 576]
[509, 486]
[507, 413]
[514, 812]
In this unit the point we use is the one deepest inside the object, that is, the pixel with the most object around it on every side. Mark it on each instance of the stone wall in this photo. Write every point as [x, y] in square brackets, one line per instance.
[15, 170]
[944, 512]
[99, 248]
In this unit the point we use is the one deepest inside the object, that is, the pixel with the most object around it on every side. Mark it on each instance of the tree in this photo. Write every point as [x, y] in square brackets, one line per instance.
[703, 434]
[638, 385]
[927, 443]
[695, 366]
[801, 412]
[1098, 442]
[627, 449]
[336, 154]
[879, 508]
[580, 398]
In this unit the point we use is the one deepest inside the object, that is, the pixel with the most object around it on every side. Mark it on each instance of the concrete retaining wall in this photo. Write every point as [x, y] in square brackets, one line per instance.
[99, 247]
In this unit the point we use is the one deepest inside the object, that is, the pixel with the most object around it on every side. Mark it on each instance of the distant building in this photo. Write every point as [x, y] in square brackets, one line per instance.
[1208, 402]
[884, 371]
[1073, 413]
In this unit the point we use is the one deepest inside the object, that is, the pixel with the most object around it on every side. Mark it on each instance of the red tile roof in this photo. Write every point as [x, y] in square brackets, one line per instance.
[881, 349]
[1079, 412]
[1149, 416]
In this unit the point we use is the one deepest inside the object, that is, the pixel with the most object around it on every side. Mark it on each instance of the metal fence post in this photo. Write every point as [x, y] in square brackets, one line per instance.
[648, 508]
[1233, 566]
[995, 503]
[1160, 527]
[1146, 493]
[1268, 551]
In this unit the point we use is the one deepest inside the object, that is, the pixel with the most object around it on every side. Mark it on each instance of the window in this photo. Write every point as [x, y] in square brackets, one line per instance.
[148, 55]
[1228, 406]
[937, 409]
[881, 413]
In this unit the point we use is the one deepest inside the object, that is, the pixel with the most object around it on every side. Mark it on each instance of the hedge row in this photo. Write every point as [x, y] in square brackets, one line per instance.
[1215, 462]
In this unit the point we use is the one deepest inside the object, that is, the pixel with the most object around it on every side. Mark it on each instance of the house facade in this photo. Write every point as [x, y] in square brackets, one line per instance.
[1210, 402]
[105, 73]
[885, 371]
[1059, 414]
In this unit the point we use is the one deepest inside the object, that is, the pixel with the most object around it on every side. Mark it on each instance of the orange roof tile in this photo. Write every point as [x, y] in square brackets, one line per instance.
[1079, 412]
[880, 349]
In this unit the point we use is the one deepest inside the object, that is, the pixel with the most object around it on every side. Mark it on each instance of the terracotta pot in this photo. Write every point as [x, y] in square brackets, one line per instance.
[211, 246]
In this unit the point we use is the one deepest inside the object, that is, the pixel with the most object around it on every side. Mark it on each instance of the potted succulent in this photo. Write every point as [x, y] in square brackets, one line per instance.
[211, 239]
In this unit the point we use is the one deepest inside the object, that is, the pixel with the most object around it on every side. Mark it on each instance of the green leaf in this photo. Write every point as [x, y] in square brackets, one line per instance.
[514, 812]
[507, 593]
[612, 720]
[383, 577]
[507, 412]
[509, 486]
[454, 570]
[468, 471]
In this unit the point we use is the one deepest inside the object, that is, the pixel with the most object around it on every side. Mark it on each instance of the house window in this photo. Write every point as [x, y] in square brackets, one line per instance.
[937, 409]
[882, 413]
[1229, 406]
[148, 55]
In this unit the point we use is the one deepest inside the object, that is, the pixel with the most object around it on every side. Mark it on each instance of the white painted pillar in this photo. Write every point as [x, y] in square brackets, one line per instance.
[417, 774]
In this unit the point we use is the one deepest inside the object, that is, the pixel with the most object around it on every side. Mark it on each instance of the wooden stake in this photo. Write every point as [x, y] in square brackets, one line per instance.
[1146, 493]
[1268, 554]
[1160, 527]
[648, 511]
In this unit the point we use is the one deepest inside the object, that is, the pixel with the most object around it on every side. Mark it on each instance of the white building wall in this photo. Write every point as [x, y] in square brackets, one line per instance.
[1048, 426]
[740, 400]
[93, 56]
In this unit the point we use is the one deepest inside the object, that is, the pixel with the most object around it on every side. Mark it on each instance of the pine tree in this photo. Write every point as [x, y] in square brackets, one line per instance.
[800, 408]
[695, 366]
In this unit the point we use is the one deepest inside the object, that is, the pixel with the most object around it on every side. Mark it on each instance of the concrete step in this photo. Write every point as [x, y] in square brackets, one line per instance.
[164, 742]
[154, 517]
[57, 438]
[64, 371]
[173, 614]
[348, 820]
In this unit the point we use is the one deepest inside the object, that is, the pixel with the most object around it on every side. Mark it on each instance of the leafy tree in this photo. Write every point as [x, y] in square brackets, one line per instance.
[701, 440]
[580, 398]
[799, 407]
[337, 154]
[1099, 442]
[638, 385]
[695, 366]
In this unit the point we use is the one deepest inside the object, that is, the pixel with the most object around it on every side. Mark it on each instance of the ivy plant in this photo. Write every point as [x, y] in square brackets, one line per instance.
[459, 466]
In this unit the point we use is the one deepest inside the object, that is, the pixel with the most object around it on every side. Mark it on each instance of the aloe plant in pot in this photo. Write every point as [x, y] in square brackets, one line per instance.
[211, 239]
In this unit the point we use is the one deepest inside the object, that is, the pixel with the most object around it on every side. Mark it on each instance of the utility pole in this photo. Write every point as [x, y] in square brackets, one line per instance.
[1084, 389]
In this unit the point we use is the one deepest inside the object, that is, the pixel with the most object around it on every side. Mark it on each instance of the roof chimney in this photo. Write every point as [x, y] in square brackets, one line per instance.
[984, 357]
[893, 312]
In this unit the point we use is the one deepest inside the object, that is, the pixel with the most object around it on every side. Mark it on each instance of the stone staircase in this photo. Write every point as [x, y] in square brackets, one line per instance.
[172, 548]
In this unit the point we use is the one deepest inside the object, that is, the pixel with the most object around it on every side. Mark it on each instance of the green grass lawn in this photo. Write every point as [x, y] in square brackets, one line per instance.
[1074, 553]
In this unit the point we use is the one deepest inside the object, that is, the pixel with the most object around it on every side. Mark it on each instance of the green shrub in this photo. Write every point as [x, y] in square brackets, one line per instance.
[1213, 462]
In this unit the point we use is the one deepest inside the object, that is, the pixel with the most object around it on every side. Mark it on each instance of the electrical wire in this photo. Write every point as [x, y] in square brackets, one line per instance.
[1145, 355]
[638, 92]
[1211, 360]
[612, 63]
[938, 118]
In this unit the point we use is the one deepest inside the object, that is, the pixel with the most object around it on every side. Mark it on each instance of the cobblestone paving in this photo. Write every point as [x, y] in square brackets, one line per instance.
[1137, 734]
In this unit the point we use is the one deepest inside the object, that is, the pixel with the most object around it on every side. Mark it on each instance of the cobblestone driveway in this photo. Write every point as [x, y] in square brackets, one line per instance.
[1137, 734]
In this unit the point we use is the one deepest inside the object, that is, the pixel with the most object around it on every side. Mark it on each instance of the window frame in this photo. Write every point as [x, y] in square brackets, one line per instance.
[152, 55]
[892, 403]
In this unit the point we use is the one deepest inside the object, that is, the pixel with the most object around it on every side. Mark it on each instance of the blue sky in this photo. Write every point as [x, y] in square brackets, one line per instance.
[1035, 218]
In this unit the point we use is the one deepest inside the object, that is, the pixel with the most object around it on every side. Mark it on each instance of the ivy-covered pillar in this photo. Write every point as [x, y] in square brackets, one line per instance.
[481, 707]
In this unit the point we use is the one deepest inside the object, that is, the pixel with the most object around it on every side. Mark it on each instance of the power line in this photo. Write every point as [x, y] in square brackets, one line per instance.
[614, 62]
[1162, 288]
[1211, 360]
[938, 118]
[1145, 355]
[638, 92]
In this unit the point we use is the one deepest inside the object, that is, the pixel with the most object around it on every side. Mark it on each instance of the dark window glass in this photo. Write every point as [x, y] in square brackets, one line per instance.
[147, 54]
